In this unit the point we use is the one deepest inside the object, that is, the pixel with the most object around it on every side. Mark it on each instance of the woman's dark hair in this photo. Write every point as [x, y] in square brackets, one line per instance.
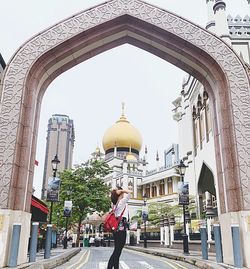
[114, 196]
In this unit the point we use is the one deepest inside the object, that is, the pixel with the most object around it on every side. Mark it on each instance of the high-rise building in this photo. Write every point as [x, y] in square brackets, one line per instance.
[60, 142]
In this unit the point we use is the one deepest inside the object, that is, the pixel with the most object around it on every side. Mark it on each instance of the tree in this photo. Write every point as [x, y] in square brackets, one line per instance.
[88, 192]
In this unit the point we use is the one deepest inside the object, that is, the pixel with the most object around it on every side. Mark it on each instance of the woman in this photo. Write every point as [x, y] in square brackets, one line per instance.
[119, 198]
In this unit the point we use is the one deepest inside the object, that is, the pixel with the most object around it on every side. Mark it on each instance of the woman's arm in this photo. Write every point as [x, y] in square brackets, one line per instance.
[119, 192]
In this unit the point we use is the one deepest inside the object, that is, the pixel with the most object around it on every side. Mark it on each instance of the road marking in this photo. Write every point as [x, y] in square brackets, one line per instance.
[145, 264]
[82, 256]
[103, 265]
[170, 264]
[183, 267]
[162, 259]
[85, 261]
[124, 265]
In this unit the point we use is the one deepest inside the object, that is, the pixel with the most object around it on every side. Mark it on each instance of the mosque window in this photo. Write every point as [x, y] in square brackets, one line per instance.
[162, 187]
[170, 185]
[196, 134]
[154, 190]
[202, 122]
[130, 186]
[148, 190]
[118, 182]
[214, 201]
[209, 126]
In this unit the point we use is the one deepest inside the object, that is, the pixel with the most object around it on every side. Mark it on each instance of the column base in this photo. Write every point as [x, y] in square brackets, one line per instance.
[7, 218]
[226, 220]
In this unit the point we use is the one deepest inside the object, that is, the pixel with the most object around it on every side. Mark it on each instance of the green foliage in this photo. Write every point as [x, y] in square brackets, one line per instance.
[156, 211]
[85, 187]
[159, 210]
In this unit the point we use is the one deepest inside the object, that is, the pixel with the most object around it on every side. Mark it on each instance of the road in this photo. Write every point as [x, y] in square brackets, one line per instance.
[97, 258]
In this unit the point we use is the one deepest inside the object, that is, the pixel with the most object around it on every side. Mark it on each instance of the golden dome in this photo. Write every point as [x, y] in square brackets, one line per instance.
[122, 134]
[131, 157]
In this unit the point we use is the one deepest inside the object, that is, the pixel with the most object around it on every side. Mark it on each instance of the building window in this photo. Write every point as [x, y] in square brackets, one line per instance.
[148, 191]
[162, 187]
[170, 185]
[130, 187]
[128, 167]
[196, 139]
[209, 126]
[214, 201]
[202, 126]
[154, 190]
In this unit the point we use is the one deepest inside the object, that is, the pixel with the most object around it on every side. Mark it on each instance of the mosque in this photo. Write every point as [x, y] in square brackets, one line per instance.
[122, 144]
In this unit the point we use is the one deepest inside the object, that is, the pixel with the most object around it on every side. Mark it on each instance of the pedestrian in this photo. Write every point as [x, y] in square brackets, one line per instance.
[119, 199]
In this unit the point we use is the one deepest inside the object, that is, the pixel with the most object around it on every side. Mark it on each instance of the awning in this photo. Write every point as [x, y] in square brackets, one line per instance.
[39, 205]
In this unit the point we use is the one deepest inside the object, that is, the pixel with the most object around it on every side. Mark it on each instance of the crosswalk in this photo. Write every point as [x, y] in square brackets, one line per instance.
[124, 265]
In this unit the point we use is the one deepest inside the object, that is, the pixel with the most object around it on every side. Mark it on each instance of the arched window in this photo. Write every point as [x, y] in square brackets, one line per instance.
[170, 185]
[162, 187]
[202, 122]
[148, 190]
[209, 125]
[130, 186]
[154, 190]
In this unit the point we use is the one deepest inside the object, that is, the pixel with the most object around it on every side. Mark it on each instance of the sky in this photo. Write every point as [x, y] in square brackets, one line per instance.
[92, 92]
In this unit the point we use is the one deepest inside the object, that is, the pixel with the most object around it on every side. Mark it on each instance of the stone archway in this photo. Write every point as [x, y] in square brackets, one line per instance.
[45, 56]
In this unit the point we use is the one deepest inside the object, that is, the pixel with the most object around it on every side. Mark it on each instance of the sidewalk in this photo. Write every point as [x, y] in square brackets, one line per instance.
[58, 257]
[195, 257]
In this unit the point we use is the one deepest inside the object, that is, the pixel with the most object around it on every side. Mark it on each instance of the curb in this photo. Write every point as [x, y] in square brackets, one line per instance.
[196, 262]
[55, 261]
[52, 262]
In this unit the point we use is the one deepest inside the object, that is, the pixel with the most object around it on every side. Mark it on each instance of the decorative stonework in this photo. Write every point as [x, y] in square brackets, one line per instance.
[18, 70]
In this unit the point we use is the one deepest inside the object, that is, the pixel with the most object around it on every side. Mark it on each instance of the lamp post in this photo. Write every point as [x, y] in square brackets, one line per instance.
[54, 164]
[182, 169]
[145, 217]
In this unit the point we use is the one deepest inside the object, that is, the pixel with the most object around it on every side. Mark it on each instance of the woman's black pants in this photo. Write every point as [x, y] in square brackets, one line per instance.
[119, 241]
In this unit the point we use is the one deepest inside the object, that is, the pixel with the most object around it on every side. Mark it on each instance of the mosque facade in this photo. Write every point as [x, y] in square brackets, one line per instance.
[122, 144]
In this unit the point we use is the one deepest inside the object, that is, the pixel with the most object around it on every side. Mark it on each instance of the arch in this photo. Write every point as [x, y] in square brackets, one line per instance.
[45, 56]
[206, 181]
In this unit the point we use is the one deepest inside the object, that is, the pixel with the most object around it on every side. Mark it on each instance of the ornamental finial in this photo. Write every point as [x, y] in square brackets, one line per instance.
[123, 108]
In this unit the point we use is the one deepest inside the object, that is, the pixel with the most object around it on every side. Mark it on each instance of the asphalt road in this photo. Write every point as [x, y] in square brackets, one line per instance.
[97, 258]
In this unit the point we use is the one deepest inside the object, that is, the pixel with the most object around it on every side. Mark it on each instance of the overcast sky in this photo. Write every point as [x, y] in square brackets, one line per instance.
[92, 92]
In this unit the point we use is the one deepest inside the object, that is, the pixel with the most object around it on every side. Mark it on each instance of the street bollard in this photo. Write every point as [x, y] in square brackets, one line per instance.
[204, 248]
[33, 242]
[14, 245]
[218, 245]
[48, 242]
[238, 261]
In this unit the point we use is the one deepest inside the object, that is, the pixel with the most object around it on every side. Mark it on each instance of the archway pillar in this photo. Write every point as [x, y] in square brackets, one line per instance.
[242, 218]
[7, 219]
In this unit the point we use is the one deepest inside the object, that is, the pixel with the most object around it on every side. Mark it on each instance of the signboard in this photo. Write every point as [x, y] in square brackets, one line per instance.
[145, 213]
[183, 190]
[53, 189]
[67, 210]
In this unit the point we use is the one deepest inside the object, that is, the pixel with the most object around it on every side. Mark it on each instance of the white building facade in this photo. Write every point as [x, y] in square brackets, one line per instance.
[194, 114]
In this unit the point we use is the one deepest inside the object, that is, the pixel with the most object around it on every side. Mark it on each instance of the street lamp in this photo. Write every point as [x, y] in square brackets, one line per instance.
[54, 164]
[145, 217]
[182, 169]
